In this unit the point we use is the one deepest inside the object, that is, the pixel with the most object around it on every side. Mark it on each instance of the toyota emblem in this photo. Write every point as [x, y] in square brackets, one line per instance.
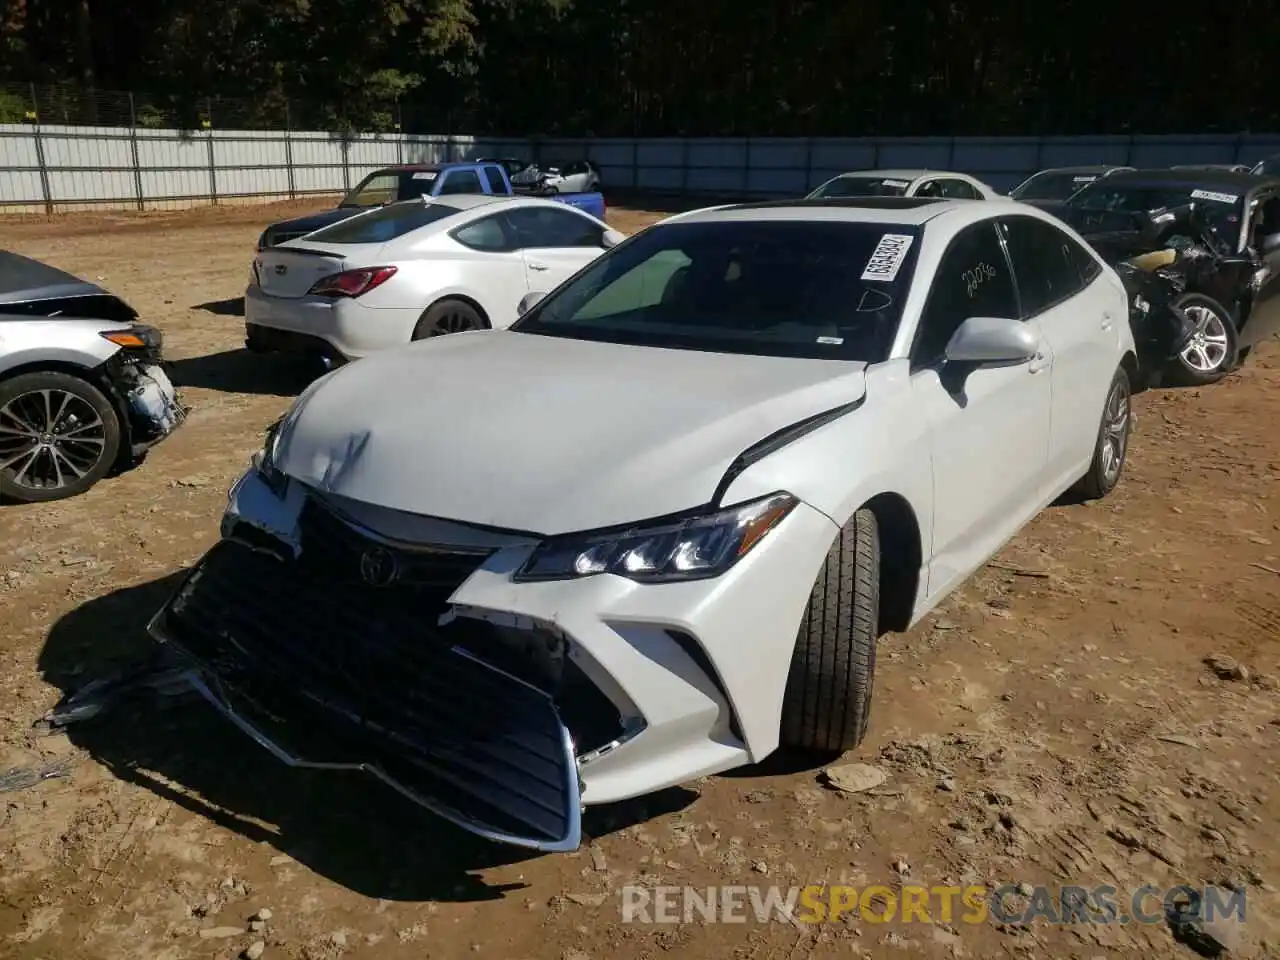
[378, 567]
[281, 269]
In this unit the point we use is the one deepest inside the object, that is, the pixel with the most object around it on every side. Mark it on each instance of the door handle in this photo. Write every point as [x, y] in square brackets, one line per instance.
[1107, 320]
[1038, 363]
[534, 265]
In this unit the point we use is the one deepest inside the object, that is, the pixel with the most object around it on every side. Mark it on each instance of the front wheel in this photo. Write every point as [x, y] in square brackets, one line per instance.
[1211, 353]
[1113, 441]
[59, 435]
[828, 697]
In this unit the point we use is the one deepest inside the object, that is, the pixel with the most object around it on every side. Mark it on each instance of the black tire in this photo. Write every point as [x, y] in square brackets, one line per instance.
[1216, 332]
[1106, 469]
[828, 697]
[449, 316]
[31, 472]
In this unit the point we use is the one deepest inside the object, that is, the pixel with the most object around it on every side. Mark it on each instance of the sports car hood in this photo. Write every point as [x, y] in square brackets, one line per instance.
[546, 435]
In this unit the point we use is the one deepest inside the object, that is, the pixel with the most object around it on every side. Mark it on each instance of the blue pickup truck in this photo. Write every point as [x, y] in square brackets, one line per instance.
[393, 184]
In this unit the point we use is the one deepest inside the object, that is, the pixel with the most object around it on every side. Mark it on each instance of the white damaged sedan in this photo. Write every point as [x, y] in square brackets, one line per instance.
[654, 529]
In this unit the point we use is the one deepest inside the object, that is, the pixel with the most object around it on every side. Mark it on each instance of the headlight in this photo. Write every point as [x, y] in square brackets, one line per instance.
[264, 461]
[691, 549]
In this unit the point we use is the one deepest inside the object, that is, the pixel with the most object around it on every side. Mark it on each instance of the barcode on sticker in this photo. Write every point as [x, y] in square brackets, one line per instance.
[888, 256]
[429, 175]
[1212, 195]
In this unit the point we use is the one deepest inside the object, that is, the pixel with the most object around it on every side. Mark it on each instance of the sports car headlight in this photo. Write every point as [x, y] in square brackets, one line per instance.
[692, 549]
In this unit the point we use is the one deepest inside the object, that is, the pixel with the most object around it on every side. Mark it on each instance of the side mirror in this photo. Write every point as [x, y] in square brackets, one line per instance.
[611, 238]
[1271, 243]
[527, 303]
[983, 340]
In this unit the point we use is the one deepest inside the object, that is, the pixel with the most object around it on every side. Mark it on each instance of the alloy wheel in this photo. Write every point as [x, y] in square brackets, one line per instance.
[50, 439]
[455, 321]
[1114, 439]
[1208, 348]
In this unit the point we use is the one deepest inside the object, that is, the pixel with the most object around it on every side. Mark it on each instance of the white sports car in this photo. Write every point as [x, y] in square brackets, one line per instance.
[653, 530]
[417, 269]
[905, 183]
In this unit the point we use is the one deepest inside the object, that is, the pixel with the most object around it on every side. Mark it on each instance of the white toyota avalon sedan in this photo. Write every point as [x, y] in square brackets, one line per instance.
[654, 529]
[415, 269]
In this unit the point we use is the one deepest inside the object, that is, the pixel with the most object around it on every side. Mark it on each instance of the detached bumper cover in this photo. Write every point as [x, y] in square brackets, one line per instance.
[324, 675]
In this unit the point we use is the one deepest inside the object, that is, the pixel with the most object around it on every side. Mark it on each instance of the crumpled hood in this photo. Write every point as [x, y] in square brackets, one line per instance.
[545, 434]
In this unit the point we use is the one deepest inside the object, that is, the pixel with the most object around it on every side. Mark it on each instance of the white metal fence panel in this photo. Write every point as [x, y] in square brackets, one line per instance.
[63, 167]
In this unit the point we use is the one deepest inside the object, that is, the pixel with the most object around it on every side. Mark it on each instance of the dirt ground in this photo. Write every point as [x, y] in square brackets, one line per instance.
[1055, 723]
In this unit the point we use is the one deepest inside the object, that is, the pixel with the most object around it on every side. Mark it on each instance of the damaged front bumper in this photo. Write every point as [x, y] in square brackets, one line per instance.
[331, 685]
[148, 398]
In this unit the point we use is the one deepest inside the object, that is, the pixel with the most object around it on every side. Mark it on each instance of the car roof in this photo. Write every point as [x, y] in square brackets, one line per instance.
[901, 174]
[1195, 176]
[907, 211]
[1085, 168]
[431, 167]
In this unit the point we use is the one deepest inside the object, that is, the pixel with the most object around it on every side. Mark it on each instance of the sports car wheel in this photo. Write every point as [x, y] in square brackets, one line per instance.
[1113, 441]
[59, 435]
[448, 316]
[1211, 354]
[828, 696]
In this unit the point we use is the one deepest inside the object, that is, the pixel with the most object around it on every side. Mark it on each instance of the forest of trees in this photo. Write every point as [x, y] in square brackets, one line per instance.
[651, 67]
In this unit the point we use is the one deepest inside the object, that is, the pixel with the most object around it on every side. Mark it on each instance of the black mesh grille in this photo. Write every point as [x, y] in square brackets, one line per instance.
[349, 672]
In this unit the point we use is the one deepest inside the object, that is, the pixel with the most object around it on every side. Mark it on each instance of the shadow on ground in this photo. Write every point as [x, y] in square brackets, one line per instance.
[242, 371]
[223, 308]
[344, 826]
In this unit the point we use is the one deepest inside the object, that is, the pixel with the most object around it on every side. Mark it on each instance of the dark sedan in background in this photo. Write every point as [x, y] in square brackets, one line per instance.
[1049, 189]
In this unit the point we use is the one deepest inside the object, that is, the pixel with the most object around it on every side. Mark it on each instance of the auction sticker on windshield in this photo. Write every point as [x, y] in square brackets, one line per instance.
[1212, 195]
[895, 183]
[888, 256]
[427, 175]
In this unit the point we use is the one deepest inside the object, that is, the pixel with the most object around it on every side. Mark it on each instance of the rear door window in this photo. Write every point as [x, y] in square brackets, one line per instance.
[1046, 271]
[460, 181]
[384, 224]
[496, 182]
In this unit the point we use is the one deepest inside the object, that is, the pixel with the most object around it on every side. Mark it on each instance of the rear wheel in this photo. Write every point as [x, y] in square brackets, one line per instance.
[1113, 441]
[59, 435]
[828, 696]
[449, 316]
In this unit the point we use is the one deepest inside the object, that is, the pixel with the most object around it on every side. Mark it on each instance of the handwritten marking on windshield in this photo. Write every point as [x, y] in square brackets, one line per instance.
[888, 256]
[1212, 195]
[976, 277]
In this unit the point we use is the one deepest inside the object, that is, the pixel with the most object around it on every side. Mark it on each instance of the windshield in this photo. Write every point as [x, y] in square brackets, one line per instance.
[380, 188]
[861, 187]
[385, 223]
[1052, 186]
[824, 290]
[1221, 207]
